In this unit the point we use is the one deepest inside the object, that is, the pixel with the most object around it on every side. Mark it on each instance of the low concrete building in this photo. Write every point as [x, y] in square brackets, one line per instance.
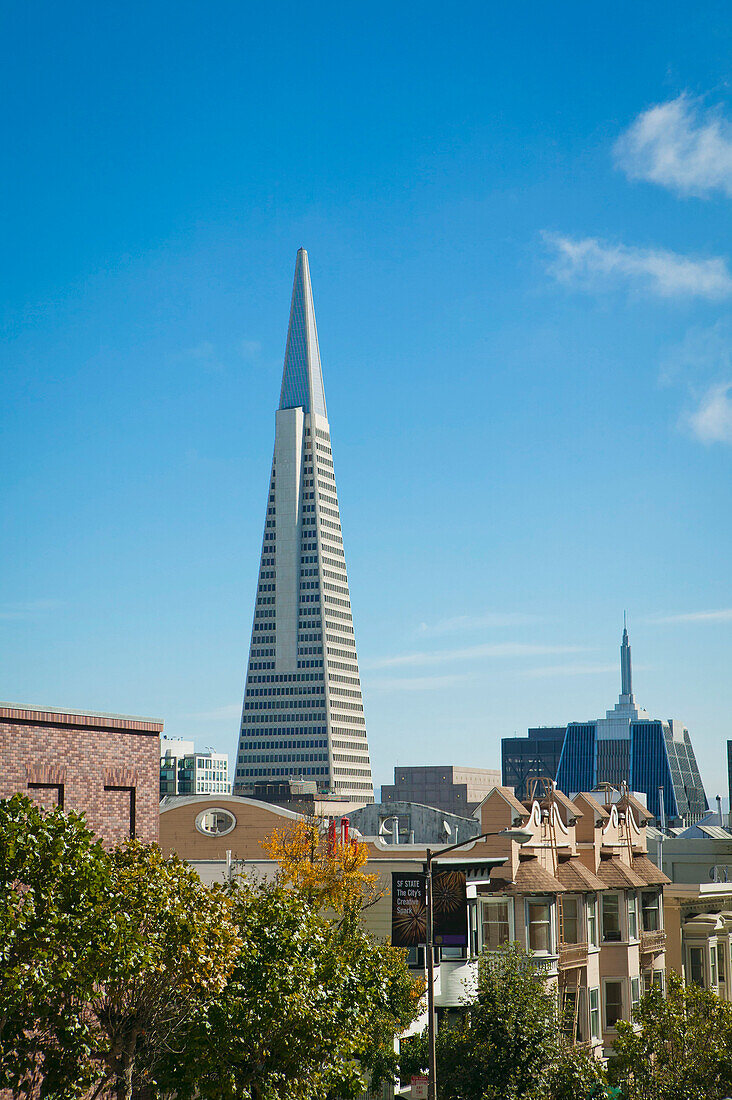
[105, 766]
[701, 858]
[411, 823]
[699, 934]
[456, 790]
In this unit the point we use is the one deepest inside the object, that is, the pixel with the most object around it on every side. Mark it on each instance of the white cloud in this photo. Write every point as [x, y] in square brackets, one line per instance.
[702, 365]
[721, 615]
[589, 263]
[475, 622]
[470, 653]
[682, 145]
[711, 421]
[31, 609]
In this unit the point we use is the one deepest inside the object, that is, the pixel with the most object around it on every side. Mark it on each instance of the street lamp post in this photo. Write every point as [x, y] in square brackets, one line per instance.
[521, 837]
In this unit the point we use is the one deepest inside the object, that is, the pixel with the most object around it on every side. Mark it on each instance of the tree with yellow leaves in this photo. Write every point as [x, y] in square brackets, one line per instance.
[329, 869]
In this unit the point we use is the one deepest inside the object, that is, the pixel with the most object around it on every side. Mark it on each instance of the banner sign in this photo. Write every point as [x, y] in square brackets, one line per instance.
[449, 909]
[408, 909]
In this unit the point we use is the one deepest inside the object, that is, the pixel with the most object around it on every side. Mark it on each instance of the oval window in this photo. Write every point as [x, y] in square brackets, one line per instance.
[215, 822]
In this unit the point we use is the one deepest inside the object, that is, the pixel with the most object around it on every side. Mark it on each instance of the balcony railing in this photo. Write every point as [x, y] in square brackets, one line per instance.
[653, 942]
[572, 954]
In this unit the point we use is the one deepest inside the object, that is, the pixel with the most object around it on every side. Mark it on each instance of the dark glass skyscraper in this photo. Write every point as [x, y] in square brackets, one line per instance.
[628, 746]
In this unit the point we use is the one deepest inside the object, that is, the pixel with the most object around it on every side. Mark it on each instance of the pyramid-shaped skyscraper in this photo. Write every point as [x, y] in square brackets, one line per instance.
[303, 714]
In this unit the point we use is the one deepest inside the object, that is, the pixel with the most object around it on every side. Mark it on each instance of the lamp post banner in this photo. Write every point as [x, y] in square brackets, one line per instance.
[449, 909]
[408, 909]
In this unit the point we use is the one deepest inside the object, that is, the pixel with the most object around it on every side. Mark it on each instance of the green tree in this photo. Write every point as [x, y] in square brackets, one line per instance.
[312, 1002]
[53, 880]
[508, 1044]
[168, 949]
[104, 957]
[682, 1049]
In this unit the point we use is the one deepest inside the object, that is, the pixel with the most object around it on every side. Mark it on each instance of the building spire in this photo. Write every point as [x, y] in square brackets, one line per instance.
[302, 377]
[626, 675]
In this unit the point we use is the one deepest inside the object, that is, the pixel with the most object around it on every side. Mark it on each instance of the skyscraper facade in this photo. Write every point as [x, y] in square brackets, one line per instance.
[532, 757]
[303, 713]
[628, 746]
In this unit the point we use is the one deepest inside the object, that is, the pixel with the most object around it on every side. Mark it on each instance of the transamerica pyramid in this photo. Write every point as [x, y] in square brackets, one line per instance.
[303, 711]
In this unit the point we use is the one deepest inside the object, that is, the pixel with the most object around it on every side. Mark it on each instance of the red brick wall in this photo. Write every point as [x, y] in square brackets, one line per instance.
[85, 754]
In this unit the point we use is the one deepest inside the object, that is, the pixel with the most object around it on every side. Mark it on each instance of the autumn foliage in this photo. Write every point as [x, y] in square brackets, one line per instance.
[329, 870]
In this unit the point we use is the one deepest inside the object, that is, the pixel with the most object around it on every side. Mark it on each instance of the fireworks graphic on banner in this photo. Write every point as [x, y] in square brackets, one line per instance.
[410, 926]
[448, 891]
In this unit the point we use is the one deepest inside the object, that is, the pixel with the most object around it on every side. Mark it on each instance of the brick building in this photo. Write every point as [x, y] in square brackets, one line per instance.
[104, 765]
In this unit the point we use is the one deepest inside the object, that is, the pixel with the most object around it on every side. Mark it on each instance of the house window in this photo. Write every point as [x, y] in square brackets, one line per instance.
[613, 1003]
[494, 924]
[720, 963]
[713, 962]
[635, 996]
[538, 919]
[592, 920]
[611, 918]
[651, 913]
[632, 917]
[570, 920]
[595, 1013]
[696, 965]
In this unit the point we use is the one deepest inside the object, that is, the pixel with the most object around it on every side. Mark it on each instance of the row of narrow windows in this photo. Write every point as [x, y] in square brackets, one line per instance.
[285, 678]
[249, 717]
[287, 731]
[259, 747]
[257, 773]
[291, 758]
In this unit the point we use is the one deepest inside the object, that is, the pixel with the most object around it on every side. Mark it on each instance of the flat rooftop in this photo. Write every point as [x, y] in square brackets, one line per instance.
[89, 719]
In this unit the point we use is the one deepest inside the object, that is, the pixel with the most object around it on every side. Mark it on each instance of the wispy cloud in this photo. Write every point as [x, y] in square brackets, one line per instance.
[31, 609]
[592, 264]
[682, 145]
[460, 623]
[568, 670]
[720, 615]
[487, 651]
[702, 365]
[417, 683]
[711, 421]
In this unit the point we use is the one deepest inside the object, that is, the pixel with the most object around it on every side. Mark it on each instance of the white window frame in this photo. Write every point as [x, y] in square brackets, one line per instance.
[598, 1009]
[623, 1001]
[592, 917]
[703, 949]
[486, 902]
[618, 894]
[658, 906]
[549, 902]
[632, 910]
[713, 970]
[580, 916]
[636, 993]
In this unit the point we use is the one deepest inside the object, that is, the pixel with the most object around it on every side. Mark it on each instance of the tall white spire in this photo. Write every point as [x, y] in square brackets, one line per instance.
[302, 377]
[303, 712]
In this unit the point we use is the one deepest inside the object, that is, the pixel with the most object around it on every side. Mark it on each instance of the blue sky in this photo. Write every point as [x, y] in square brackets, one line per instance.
[518, 223]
